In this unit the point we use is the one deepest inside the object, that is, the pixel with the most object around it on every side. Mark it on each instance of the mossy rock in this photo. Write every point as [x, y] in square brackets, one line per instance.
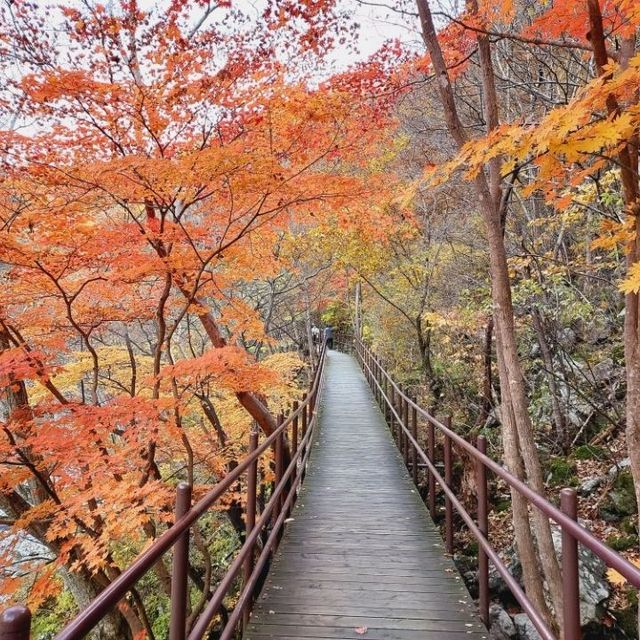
[589, 452]
[629, 525]
[622, 543]
[617, 353]
[502, 505]
[621, 500]
[562, 472]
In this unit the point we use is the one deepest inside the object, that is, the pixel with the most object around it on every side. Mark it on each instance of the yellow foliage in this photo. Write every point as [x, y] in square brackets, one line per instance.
[631, 284]
[618, 579]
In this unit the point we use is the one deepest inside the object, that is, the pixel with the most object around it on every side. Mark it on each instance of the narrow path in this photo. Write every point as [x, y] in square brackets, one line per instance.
[360, 551]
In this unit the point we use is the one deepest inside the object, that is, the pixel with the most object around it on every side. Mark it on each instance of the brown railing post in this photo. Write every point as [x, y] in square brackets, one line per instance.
[414, 451]
[312, 404]
[431, 453]
[570, 568]
[385, 386]
[294, 430]
[305, 408]
[279, 471]
[15, 623]
[392, 405]
[483, 525]
[377, 379]
[448, 479]
[180, 570]
[399, 411]
[405, 437]
[252, 486]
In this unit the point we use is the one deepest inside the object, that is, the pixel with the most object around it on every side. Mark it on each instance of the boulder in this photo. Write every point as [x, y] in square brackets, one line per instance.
[589, 485]
[524, 628]
[567, 338]
[510, 558]
[594, 588]
[623, 464]
[621, 499]
[501, 625]
[605, 371]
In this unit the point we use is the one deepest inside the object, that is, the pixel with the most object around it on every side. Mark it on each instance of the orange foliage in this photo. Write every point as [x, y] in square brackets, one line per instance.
[160, 164]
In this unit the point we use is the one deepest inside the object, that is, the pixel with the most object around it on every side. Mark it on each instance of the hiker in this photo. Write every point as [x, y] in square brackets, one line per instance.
[328, 337]
[315, 334]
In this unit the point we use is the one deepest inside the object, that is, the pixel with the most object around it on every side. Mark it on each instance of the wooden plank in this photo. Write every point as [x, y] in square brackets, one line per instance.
[360, 549]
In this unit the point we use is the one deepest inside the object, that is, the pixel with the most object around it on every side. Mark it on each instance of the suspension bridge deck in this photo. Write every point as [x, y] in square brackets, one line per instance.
[360, 557]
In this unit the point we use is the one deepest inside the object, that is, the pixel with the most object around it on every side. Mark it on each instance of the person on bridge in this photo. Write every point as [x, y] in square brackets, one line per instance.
[328, 336]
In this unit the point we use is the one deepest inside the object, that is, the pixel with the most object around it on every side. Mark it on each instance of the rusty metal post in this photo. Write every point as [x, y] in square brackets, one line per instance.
[431, 454]
[180, 569]
[570, 568]
[15, 623]
[483, 525]
[448, 479]
[414, 451]
[250, 522]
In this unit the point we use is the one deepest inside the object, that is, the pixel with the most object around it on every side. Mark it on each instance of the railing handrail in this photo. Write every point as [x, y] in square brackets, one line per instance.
[567, 525]
[610, 557]
[107, 599]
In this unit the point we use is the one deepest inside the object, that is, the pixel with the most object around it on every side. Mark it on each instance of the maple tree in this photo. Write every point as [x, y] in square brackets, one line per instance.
[157, 158]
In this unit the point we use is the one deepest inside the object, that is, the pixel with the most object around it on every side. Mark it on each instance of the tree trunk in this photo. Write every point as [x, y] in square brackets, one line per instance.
[487, 383]
[517, 429]
[628, 162]
[558, 415]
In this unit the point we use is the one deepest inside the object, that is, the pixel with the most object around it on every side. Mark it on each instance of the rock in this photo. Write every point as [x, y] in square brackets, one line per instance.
[524, 628]
[625, 463]
[589, 485]
[597, 333]
[621, 499]
[510, 558]
[594, 588]
[579, 411]
[567, 338]
[561, 472]
[501, 625]
[471, 582]
[605, 371]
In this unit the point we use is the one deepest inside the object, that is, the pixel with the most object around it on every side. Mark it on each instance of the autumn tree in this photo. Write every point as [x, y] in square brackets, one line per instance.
[152, 162]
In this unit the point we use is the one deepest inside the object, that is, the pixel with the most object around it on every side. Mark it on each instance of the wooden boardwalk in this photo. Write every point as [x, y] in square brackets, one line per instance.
[360, 558]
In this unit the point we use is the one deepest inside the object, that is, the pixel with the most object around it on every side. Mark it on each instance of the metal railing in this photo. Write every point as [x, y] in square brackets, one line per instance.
[402, 413]
[290, 444]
